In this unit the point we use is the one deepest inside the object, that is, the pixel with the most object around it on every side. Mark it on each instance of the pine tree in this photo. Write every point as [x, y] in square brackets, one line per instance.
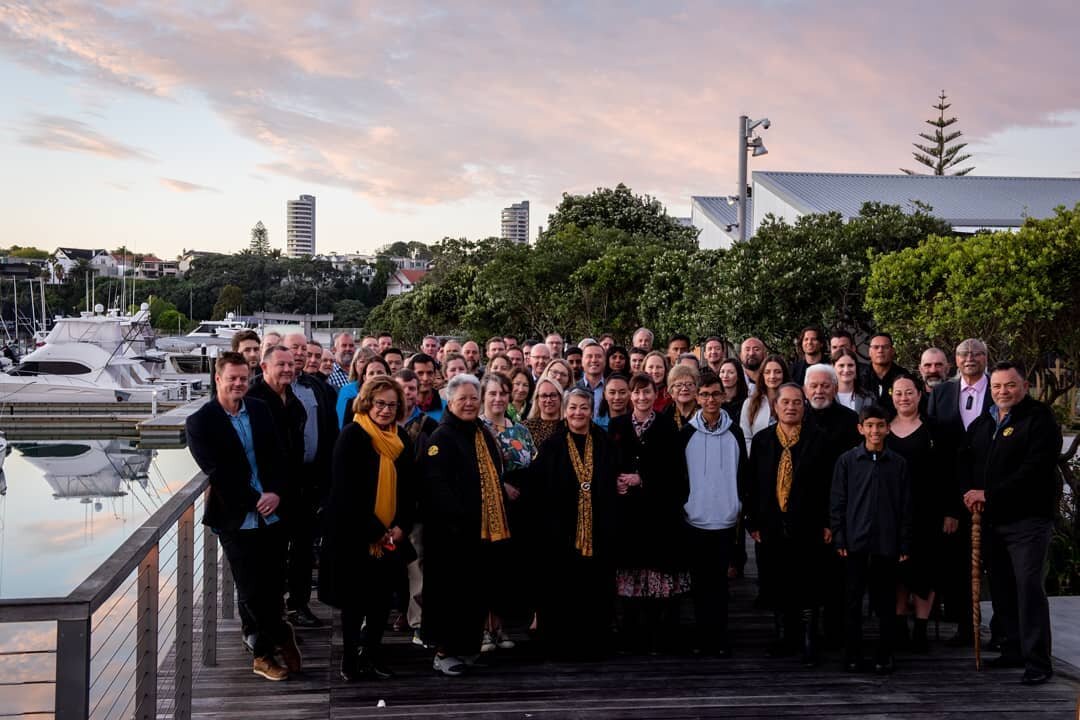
[260, 239]
[939, 155]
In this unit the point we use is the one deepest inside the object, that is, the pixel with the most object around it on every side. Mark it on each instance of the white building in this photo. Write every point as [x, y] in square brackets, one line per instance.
[67, 259]
[300, 226]
[515, 222]
[403, 281]
[967, 203]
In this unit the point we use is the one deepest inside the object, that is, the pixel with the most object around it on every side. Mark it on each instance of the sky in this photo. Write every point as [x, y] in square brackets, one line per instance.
[179, 125]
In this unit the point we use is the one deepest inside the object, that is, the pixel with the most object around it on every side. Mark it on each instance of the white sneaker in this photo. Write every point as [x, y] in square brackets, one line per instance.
[448, 665]
[488, 643]
[503, 641]
[418, 640]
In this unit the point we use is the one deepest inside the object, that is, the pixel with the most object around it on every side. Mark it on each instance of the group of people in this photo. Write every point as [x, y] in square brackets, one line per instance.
[581, 491]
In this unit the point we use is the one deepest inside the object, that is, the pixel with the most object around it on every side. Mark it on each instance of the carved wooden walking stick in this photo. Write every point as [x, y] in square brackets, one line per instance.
[976, 583]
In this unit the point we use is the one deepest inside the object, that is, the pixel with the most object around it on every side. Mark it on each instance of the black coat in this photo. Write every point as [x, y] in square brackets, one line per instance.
[880, 388]
[649, 518]
[871, 503]
[289, 418]
[808, 504]
[840, 425]
[350, 525]
[943, 411]
[217, 449]
[555, 498]
[457, 563]
[326, 397]
[1015, 464]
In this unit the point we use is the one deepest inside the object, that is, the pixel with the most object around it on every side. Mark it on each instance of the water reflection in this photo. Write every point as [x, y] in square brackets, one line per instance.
[70, 503]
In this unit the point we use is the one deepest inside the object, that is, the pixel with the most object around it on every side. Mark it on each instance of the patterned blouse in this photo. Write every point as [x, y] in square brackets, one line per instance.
[515, 444]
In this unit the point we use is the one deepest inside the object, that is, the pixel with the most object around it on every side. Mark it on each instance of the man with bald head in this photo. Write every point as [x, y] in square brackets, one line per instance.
[539, 357]
[933, 368]
[752, 355]
[312, 481]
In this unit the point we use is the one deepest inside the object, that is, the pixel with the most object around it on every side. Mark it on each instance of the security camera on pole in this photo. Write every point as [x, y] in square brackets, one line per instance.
[746, 142]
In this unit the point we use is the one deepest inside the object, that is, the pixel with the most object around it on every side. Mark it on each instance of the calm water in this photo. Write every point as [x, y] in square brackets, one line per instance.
[70, 503]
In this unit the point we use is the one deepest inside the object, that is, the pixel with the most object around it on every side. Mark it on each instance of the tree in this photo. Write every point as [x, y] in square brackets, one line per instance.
[260, 239]
[27, 253]
[620, 209]
[939, 155]
[350, 313]
[1017, 291]
[229, 300]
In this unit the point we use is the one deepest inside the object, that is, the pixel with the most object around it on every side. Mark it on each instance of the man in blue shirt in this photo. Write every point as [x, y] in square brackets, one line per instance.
[232, 439]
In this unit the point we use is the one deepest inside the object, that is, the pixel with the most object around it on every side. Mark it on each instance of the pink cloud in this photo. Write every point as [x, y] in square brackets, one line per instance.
[52, 132]
[184, 186]
[409, 104]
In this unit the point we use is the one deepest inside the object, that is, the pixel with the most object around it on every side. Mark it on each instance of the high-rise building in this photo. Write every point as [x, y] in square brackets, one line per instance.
[300, 226]
[515, 222]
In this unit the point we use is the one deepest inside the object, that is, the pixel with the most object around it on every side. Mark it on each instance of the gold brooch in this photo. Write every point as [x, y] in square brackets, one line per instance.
[1007, 431]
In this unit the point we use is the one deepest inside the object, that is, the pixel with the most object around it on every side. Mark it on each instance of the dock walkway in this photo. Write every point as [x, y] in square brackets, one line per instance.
[520, 684]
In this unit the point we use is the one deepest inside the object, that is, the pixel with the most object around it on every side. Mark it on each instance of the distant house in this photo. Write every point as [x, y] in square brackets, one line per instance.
[66, 259]
[189, 257]
[403, 281]
[152, 267]
[969, 203]
[21, 268]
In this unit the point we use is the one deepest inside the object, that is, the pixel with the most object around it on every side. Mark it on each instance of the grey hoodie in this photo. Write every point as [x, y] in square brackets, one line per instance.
[714, 459]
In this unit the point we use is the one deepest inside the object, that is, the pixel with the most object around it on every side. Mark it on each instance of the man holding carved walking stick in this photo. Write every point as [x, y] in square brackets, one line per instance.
[1009, 459]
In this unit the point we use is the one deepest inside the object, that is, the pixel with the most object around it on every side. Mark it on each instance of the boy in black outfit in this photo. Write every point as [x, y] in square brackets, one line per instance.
[871, 525]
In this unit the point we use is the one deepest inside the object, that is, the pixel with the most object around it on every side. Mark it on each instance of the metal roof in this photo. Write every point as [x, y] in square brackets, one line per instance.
[961, 201]
[718, 210]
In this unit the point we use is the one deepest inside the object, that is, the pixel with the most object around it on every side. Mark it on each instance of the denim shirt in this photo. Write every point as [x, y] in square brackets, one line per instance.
[241, 423]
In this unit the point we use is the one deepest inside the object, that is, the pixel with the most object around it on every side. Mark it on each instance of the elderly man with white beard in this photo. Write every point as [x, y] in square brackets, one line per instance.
[840, 427]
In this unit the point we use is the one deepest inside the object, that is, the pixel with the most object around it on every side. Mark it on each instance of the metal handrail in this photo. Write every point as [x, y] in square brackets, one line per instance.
[74, 612]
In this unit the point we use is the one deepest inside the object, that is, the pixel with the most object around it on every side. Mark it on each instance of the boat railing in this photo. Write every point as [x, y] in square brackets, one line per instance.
[130, 640]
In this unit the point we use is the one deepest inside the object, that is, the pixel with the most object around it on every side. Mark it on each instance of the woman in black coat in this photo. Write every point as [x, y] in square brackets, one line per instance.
[464, 505]
[791, 538]
[574, 503]
[652, 488]
[366, 526]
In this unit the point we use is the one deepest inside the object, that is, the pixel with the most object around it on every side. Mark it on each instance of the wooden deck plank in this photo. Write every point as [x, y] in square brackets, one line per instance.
[521, 684]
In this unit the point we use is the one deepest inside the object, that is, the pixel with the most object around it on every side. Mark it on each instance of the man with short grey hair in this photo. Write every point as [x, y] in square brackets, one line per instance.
[344, 349]
[643, 338]
[555, 343]
[933, 367]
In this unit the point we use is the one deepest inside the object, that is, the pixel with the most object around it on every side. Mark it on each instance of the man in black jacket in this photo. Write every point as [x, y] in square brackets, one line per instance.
[1010, 456]
[952, 407]
[232, 439]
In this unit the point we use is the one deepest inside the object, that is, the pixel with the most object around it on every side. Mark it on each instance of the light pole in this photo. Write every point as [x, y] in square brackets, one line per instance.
[746, 143]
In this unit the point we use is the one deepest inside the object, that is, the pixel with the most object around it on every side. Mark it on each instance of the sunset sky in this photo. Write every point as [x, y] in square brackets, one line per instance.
[170, 125]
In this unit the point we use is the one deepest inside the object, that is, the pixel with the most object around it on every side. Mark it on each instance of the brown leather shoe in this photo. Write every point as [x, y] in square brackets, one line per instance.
[269, 669]
[290, 653]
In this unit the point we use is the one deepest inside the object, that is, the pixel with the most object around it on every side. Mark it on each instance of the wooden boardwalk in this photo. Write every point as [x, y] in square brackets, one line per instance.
[518, 684]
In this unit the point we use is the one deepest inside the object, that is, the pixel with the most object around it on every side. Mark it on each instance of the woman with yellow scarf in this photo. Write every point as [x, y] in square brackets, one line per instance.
[368, 518]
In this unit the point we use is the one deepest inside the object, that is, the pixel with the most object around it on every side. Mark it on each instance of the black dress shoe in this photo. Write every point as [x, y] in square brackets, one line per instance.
[303, 617]
[371, 666]
[1005, 661]
[1036, 677]
[853, 666]
[885, 666]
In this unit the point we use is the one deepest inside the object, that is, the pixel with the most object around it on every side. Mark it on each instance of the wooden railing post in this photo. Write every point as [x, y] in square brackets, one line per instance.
[72, 700]
[185, 611]
[209, 596]
[146, 649]
[228, 589]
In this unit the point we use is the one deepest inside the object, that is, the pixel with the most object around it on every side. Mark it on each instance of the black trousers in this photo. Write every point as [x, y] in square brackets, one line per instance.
[1017, 582]
[302, 525]
[879, 574]
[375, 587]
[257, 560]
[710, 558]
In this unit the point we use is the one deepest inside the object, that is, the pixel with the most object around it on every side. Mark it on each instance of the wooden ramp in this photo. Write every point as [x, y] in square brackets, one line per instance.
[519, 684]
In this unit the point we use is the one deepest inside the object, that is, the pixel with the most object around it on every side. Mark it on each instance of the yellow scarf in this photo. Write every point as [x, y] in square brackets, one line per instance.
[493, 524]
[785, 473]
[389, 446]
[583, 468]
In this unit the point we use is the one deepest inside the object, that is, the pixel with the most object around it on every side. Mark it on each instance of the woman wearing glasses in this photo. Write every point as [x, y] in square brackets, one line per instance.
[682, 384]
[366, 525]
[545, 416]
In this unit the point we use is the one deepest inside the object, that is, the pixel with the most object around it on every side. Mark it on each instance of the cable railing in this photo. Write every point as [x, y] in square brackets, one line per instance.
[130, 640]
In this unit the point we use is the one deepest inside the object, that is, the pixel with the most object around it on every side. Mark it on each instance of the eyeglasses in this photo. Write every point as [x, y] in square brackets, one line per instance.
[714, 395]
[971, 353]
[383, 405]
[684, 386]
[548, 396]
[880, 347]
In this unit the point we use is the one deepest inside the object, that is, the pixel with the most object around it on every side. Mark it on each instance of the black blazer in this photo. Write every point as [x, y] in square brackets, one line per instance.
[943, 407]
[808, 505]
[1014, 464]
[219, 453]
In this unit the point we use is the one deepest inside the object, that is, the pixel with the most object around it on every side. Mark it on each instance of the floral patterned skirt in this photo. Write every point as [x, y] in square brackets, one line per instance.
[650, 583]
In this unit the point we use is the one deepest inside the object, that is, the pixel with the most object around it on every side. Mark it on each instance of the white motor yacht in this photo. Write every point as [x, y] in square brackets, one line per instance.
[208, 333]
[88, 359]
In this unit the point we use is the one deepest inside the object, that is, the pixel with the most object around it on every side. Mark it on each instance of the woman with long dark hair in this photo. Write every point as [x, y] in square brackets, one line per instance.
[758, 412]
